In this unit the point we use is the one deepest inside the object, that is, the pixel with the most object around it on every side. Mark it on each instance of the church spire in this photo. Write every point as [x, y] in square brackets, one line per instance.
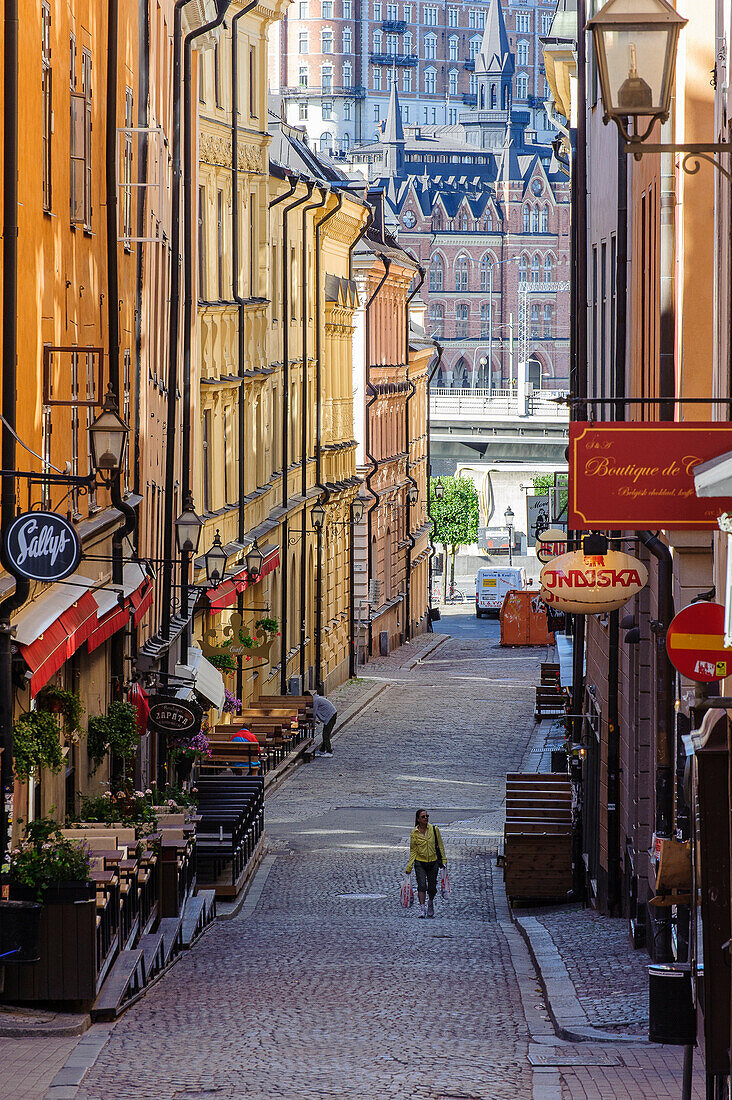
[495, 52]
[393, 135]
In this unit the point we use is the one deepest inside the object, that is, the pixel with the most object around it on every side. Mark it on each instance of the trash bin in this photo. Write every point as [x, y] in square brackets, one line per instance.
[671, 1015]
[20, 929]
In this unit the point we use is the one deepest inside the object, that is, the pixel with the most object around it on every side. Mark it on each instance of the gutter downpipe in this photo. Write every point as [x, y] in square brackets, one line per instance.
[284, 631]
[305, 420]
[318, 449]
[440, 352]
[222, 7]
[9, 400]
[240, 302]
[353, 650]
[410, 395]
[367, 427]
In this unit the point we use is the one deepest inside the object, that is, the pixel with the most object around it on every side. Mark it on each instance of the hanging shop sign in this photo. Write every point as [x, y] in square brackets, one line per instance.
[695, 643]
[175, 716]
[550, 544]
[41, 546]
[640, 477]
[591, 585]
[537, 516]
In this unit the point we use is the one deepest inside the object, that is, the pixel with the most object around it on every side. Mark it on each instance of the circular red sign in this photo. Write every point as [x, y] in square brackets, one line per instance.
[695, 643]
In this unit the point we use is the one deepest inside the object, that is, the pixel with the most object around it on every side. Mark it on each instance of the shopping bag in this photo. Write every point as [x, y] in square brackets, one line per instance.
[444, 883]
[407, 893]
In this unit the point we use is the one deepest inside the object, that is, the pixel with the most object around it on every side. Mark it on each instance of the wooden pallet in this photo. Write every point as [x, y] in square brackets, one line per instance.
[537, 846]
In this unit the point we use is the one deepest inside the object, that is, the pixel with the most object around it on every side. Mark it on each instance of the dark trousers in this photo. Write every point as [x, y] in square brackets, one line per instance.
[327, 730]
[426, 876]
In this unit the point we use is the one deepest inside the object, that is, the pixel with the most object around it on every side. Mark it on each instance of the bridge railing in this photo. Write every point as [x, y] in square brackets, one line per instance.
[494, 404]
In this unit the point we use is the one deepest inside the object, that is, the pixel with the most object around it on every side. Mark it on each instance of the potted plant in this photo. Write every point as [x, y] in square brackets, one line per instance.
[114, 732]
[124, 806]
[57, 700]
[184, 751]
[36, 744]
[47, 866]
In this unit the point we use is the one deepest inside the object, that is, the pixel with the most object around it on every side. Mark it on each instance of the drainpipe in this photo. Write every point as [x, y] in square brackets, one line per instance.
[9, 401]
[318, 446]
[433, 372]
[305, 420]
[309, 185]
[142, 121]
[367, 427]
[222, 7]
[412, 391]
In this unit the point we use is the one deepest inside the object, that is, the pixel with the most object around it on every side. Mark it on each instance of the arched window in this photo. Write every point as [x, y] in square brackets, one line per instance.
[535, 220]
[462, 319]
[437, 319]
[494, 97]
[482, 97]
[548, 269]
[547, 321]
[346, 142]
[533, 374]
[485, 319]
[437, 273]
[527, 220]
[461, 272]
[387, 565]
[486, 265]
[506, 97]
[535, 333]
[326, 142]
[437, 221]
[488, 223]
[464, 223]
[460, 377]
[536, 270]
[522, 86]
[545, 220]
[523, 269]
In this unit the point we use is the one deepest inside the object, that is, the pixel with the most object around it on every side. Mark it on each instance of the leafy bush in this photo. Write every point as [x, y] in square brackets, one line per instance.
[268, 626]
[122, 807]
[36, 744]
[115, 732]
[56, 700]
[46, 858]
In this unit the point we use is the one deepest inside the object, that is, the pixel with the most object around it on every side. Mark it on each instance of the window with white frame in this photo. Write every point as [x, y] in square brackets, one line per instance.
[377, 80]
[522, 86]
[326, 40]
[523, 22]
[408, 42]
[485, 272]
[392, 44]
[548, 269]
[535, 220]
[546, 22]
[303, 9]
[462, 267]
[547, 322]
[377, 112]
[545, 220]
[535, 269]
[407, 83]
[473, 84]
[302, 42]
[347, 75]
[462, 319]
[452, 116]
[378, 41]
[523, 269]
[437, 319]
[474, 47]
[485, 319]
[453, 81]
[326, 9]
[535, 322]
[407, 13]
[453, 17]
[302, 112]
[405, 114]
[327, 109]
[430, 81]
[377, 13]
[430, 47]
[437, 273]
[347, 9]
[347, 40]
[527, 219]
[522, 53]
[430, 16]
[326, 78]
[473, 18]
[392, 11]
[302, 76]
[347, 111]
[454, 47]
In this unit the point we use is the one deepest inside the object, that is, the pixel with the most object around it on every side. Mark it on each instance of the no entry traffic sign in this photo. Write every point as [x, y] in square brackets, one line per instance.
[695, 643]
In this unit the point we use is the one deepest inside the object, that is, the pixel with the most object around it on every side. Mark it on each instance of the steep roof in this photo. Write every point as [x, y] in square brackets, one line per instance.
[495, 51]
[393, 129]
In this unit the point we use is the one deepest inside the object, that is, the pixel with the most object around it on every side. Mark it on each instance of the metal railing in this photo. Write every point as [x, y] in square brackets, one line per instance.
[497, 404]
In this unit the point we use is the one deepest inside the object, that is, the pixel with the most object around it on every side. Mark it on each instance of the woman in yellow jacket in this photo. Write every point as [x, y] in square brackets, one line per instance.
[426, 855]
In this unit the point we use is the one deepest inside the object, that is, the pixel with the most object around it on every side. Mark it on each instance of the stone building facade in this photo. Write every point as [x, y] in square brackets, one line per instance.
[334, 61]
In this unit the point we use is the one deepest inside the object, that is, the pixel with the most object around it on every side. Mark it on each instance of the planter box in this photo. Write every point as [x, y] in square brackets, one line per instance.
[67, 968]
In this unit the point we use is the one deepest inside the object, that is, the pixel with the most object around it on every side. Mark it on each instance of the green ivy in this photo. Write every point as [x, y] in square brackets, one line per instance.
[269, 626]
[115, 732]
[223, 662]
[36, 744]
[47, 858]
[66, 703]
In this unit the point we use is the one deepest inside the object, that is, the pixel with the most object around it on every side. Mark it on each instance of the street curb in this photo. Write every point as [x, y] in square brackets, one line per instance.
[26, 1030]
[253, 889]
[68, 1079]
[569, 1018]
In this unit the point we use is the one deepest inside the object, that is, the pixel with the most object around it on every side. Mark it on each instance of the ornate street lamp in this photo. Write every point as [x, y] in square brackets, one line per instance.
[413, 494]
[188, 527]
[317, 516]
[635, 45]
[254, 559]
[508, 516]
[216, 559]
[357, 510]
[108, 437]
[439, 489]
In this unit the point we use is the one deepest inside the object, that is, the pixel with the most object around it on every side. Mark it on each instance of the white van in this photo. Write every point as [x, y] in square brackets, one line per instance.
[491, 585]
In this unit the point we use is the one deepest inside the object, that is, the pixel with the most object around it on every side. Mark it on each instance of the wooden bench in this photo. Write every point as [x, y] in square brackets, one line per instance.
[537, 856]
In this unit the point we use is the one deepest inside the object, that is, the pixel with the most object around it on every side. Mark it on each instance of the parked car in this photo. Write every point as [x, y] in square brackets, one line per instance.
[491, 585]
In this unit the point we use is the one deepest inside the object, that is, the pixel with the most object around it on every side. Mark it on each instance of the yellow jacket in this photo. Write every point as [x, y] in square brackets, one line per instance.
[423, 847]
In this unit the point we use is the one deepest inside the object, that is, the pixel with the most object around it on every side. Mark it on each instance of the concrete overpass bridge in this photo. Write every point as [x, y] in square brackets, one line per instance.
[496, 426]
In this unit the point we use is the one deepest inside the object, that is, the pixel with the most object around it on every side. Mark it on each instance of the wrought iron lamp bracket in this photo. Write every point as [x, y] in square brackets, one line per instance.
[691, 155]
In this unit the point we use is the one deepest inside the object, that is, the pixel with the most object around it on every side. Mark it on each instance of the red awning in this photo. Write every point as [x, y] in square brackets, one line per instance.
[226, 593]
[46, 654]
[79, 621]
[141, 600]
[113, 621]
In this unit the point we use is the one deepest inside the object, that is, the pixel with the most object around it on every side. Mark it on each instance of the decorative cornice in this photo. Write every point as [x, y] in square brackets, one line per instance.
[215, 150]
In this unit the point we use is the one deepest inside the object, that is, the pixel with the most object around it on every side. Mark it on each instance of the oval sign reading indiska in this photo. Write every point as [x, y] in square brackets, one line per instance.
[591, 585]
[41, 546]
[172, 716]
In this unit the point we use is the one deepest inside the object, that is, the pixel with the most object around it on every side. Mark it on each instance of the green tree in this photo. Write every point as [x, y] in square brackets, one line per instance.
[455, 518]
[556, 486]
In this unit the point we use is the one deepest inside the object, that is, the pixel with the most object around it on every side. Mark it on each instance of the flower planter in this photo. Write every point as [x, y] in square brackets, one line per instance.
[20, 926]
[67, 967]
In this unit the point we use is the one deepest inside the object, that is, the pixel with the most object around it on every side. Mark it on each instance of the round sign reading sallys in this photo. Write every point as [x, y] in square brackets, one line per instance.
[41, 546]
[174, 716]
[550, 544]
[695, 643]
[591, 585]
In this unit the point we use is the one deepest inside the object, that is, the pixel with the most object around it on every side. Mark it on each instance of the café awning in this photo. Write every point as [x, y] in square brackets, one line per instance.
[203, 677]
[51, 629]
[225, 595]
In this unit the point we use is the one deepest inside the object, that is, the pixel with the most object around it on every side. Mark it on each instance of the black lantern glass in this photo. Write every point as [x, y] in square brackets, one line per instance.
[216, 559]
[509, 517]
[413, 494]
[188, 527]
[439, 489]
[108, 437]
[254, 560]
[357, 511]
[317, 516]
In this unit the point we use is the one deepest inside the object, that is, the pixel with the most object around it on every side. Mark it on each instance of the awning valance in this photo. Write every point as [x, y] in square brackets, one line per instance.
[53, 627]
[204, 677]
[225, 595]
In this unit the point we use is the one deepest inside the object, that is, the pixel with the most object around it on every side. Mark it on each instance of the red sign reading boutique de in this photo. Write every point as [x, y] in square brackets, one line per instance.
[639, 477]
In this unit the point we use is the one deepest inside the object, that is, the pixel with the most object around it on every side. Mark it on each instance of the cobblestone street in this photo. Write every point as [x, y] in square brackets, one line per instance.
[322, 986]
